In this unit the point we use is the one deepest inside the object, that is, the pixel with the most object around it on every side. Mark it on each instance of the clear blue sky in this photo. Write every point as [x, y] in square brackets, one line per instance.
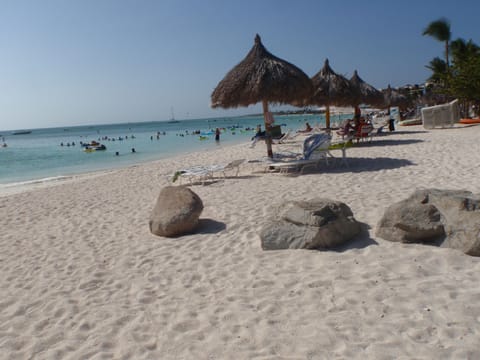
[72, 62]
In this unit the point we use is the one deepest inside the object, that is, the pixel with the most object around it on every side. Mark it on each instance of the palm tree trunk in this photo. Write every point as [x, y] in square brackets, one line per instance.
[446, 54]
[447, 67]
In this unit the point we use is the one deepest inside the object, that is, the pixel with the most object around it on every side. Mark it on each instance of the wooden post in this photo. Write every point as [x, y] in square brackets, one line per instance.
[358, 112]
[327, 116]
[268, 138]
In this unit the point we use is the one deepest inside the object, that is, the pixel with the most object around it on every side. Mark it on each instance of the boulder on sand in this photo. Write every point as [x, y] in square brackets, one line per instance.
[176, 212]
[450, 218]
[313, 224]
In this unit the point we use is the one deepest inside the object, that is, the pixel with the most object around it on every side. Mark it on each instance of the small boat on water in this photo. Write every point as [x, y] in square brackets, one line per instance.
[21, 132]
[94, 146]
[172, 119]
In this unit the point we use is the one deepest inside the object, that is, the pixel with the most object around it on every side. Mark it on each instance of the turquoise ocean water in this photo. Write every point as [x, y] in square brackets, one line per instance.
[39, 156]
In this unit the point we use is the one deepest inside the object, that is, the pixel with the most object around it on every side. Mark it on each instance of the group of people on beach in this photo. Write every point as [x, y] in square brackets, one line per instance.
[261, 134]
[158, 135]
[104, 138]
[353, 127]
[356, 127]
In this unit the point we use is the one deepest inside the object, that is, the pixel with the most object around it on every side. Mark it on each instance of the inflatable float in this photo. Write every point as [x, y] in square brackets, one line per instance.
[469, 121]
[90, 148]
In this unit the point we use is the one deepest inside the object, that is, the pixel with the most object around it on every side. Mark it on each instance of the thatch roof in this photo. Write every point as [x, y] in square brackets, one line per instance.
[393, 98]
[363, 93]
[330, 88]
[262, 76]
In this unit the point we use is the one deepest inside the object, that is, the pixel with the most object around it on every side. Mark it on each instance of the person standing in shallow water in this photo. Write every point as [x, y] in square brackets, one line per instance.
[217, 134]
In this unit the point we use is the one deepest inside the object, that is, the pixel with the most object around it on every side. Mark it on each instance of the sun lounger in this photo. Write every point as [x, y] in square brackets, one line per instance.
[342, 146]
[315, 149]
[295, 165]
[233, 166]
[202, 174]
[289, 136]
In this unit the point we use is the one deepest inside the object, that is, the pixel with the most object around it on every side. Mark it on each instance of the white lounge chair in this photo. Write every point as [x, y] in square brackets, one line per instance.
[204, 173]
[315, 149]
[233, 166]
[341, 145]
[289, 136]
[194, 174]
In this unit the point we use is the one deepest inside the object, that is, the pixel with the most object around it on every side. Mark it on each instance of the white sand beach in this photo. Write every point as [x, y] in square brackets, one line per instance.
[83, 277]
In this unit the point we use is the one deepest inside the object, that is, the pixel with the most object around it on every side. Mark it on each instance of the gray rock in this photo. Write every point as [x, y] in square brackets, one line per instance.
[314, 224]
[411, 222]
[449, 217]
[176, 212]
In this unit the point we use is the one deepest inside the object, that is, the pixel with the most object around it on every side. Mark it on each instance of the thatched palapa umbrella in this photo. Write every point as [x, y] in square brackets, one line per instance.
[263, 77]
[363, 93]
[393, 98]
[330, 88]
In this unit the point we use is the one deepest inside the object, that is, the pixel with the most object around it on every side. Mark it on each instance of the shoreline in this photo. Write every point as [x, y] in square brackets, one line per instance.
[27, 185]
[84, 277]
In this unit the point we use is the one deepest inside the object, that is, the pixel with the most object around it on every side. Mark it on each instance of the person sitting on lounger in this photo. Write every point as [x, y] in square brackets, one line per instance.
[259, 135]
[308, 128]
[347, 129]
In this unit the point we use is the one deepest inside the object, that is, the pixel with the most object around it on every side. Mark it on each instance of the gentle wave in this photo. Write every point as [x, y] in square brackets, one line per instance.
[34, 182]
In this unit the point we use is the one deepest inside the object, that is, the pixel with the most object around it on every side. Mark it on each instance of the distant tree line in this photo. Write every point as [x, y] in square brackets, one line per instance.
[460, 77]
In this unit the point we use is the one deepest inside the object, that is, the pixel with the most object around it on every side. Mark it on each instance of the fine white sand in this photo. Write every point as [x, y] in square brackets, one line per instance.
[83, 278]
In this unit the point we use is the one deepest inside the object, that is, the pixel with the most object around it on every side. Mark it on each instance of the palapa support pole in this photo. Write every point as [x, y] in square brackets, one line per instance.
[357, 112]
[268, 138]
[327, 116]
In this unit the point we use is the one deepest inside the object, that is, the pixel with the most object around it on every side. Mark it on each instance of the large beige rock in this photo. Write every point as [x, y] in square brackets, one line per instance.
[411, 221]
[176, 212]
[314, 224]
[450, 218]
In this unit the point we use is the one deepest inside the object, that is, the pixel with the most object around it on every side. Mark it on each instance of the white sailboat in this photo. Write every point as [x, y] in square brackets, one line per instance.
[172, 119]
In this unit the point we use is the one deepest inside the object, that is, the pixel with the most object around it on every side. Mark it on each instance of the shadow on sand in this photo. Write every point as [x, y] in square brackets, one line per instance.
[361, 241]
[209, 226]
[215, 180]
[357, 165]
[405, 132]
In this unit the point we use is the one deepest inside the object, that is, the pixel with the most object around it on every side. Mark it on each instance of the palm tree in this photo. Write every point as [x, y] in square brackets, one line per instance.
[465, 73]
[439, 69]
[440, 30]
[462, 50]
